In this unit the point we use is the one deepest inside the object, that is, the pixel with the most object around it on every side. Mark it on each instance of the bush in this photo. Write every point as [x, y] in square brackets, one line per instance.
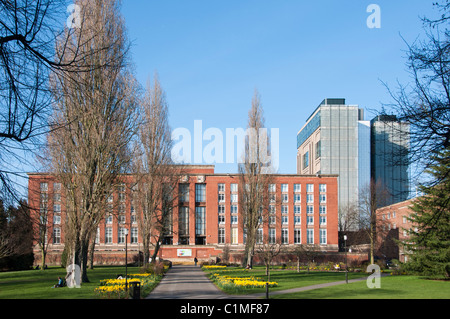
[154, 268]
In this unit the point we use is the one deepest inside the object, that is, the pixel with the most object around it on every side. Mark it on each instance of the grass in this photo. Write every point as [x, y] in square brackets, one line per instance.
[392, 287]
[286, 279]
[37, 284]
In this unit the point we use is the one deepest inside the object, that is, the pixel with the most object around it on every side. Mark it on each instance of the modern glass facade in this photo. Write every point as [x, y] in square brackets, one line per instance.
[340, 141]
[389, 157]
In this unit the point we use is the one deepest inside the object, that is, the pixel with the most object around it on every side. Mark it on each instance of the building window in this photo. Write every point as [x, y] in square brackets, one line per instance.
[310, 209]
[121, 219]
[284, 209]
[57, 208]
[297, 220]
[56, 236]
[221, 219]
[305, 160]
[221, 198]
[183, 221]
[322, 209]
[200, 221]
[297, 188]
[323, 236]
[44, 187]
[221, 235]
[272, 236]
[183, 191]
[57, 219]
[234, 198]
[322, 188]
[259, 236]
[56, 187]
[284, 188]
[272, 198]
[134, 235]
[309, 188]
[234, 220]
[310, 220]
[234, 188]
[309, 198]
[272, 209]
[284, 236]
[310, 236]
[234, 235]
[297, 236]
[221, 187]
[297, 198]
[200, 193]
[285, 220]
[272, 188]
[297, 209]
[323, 220]
[122, 236]
[57, 197]
[272, 220]
[285, 198]
[234, 209]
[108, 235]
[318, 149]
[323, 198]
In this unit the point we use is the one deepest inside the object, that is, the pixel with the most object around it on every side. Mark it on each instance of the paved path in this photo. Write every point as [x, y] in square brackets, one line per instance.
[186, 282]
[190, 282]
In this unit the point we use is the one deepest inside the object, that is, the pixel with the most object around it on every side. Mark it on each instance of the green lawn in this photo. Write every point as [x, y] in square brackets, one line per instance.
[392, 287]
[286, 279]
[37, 284]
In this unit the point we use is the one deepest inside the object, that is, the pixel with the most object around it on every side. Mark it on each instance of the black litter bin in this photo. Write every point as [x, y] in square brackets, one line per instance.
[135, 290]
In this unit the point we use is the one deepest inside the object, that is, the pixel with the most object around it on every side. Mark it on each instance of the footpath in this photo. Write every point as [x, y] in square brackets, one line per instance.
[190, 282]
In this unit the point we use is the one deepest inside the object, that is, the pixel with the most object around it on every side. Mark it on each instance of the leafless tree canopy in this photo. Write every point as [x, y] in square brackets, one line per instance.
[94, 117]
[254, 178]
[425, 102]
[29, 33]
[157, 178]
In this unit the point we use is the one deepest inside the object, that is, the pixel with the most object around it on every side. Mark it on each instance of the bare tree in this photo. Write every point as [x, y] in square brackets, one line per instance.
[425, 102]
[372, 196]
[94, 112]
[268, 249]
[254, 178]
[156, 188]
[29, 31]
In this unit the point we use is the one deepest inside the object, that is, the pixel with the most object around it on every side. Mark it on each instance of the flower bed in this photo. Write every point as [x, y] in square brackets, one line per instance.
[239, 283]
[115, 288]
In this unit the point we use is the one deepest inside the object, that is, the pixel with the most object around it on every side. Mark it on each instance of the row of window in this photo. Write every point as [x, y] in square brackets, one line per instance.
[284, 220]
[108, 235]
[272, 236]
[273, 188]
[272, 209]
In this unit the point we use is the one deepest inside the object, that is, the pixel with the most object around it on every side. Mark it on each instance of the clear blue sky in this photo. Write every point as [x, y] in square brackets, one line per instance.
[212, 54]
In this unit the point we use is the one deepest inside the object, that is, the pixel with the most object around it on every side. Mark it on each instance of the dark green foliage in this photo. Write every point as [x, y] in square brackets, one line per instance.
[429, 242]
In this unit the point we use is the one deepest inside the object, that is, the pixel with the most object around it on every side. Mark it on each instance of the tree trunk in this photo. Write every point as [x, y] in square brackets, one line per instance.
[43, 256]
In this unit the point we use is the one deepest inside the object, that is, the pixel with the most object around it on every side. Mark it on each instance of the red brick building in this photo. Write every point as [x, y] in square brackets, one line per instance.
[395, 223]
[303, 209]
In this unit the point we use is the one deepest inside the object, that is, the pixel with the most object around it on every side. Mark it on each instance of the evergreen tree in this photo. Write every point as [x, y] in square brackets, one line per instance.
[429, 239]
